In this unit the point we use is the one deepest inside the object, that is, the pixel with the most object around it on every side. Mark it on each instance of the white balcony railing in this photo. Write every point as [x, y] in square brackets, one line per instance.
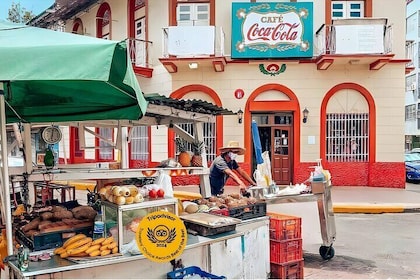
[354, 36]
[193, 41]
[139, 52]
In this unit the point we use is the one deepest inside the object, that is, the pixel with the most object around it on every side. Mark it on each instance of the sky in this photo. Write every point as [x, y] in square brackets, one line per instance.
[36, 6]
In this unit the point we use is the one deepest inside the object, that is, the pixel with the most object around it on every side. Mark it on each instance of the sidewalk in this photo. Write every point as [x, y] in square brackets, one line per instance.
[376, 200]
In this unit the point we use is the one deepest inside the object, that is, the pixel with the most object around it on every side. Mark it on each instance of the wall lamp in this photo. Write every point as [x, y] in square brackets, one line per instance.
[305, 113]
[193, 65]
[240, 114]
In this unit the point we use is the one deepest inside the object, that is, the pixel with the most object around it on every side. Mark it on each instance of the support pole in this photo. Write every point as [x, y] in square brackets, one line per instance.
[5, 175]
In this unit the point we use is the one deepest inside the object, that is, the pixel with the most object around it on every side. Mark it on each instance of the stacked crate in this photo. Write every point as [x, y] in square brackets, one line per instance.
[286, 254]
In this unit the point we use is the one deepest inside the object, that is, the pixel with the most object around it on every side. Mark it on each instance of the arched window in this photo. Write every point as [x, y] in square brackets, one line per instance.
[103, 21]
[78, 27]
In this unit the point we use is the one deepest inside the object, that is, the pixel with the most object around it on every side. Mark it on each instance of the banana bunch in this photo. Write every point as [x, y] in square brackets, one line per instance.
[121, 195]
[82, 246]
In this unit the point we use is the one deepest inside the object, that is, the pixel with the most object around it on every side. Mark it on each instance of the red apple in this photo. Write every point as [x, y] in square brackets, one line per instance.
[160, 193]
[153, 194]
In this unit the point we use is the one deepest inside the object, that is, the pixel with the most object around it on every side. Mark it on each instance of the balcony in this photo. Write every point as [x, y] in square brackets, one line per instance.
[364, 41]
[190, 47]
[139, 55]
[409, 54]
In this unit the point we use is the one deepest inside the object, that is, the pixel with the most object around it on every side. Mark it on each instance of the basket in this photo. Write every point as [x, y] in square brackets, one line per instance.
[191, 271]
[286, 251]
[291, 270]
[249, 211]
[284, 227]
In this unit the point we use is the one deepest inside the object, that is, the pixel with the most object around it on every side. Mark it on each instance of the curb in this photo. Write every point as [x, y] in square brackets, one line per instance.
[373, 209]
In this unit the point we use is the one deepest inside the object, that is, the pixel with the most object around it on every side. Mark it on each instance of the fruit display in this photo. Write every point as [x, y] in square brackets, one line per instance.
[81, 245]
[121, 195]
[214, 203]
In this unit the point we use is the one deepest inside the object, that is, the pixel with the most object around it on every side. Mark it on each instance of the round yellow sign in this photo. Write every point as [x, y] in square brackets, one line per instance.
[161, 236]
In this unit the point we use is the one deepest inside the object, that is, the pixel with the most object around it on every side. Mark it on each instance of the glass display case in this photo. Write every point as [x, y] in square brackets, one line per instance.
[121, 221]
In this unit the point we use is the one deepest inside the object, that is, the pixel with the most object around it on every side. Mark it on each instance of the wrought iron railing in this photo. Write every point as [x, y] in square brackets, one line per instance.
[139, 52]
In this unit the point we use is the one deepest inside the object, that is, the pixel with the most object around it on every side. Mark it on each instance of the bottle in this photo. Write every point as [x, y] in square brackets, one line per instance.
[98, 226]
[23, 258]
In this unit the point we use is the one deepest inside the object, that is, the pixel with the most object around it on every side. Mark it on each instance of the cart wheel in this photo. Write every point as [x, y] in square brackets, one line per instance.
[326, 252]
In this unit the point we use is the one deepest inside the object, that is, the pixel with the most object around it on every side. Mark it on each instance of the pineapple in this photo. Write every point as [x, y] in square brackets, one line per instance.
[197, 148]
[184, 157]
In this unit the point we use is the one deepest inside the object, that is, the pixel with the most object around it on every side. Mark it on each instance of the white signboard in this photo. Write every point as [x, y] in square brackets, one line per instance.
[359, 39]
[191, 40]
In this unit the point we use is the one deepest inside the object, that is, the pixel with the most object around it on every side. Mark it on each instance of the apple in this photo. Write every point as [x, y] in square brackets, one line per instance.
[160, 193]
[153, 194]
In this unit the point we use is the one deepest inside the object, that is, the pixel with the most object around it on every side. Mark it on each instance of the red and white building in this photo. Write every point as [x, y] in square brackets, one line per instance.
[323, 79]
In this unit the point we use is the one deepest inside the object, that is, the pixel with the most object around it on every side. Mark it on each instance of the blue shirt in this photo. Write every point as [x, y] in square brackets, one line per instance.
[218, 178]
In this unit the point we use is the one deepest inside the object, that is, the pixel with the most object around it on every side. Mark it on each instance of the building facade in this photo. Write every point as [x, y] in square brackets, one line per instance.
[322, 79]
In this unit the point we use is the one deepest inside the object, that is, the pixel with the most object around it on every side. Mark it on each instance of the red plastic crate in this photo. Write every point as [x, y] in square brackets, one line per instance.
[284, 227]
[286, 251]
[291, 270]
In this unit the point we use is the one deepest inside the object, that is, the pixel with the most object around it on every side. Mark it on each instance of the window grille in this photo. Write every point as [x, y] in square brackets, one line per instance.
[410, 112]
[209, 134]
[347, 137]
[140, 143]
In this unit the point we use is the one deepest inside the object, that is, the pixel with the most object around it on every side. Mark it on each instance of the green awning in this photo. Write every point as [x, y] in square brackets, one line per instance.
[51, 76]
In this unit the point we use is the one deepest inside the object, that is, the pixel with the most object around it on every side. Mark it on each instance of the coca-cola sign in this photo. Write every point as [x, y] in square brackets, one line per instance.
[267, 30]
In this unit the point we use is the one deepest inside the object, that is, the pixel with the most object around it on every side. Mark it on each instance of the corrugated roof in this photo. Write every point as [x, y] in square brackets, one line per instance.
[190, 105]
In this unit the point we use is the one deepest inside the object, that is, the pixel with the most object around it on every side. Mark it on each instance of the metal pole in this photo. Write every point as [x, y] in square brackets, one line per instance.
[5, 173]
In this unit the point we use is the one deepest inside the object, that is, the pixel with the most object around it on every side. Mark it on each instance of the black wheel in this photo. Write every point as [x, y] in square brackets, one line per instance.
[326, 252]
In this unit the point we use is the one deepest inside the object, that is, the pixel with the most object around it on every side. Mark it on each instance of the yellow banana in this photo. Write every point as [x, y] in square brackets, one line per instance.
[114, 250]
[82, 254]
[73, 239]
[95, 253]
[79, 250]
[79, 243]
[98, 241]
[105, 252]
[93, 248]
[64, 255]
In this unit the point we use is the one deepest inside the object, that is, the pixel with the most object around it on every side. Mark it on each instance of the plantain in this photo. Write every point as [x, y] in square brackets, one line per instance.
[112, 245]
[73, 239]
[105, 252]
[93, 248]
[114, 250]
[64, 255]
[95, 253]
[78, 250]
[79, 243]
[108, 240]
[98, 241]
[103, 248]
[59, 250]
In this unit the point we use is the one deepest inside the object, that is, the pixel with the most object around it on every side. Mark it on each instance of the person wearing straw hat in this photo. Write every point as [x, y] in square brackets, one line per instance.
[222, 168]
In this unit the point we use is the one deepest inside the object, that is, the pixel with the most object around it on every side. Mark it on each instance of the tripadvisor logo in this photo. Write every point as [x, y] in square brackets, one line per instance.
[161, 236]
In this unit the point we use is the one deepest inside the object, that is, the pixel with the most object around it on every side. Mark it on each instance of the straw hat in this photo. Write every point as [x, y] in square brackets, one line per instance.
[233, 146]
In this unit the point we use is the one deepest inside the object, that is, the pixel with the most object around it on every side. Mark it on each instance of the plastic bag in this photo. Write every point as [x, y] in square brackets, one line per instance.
[164, 181]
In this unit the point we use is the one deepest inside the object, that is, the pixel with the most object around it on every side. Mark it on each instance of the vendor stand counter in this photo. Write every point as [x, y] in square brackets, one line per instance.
[240, 254]
[322, 196]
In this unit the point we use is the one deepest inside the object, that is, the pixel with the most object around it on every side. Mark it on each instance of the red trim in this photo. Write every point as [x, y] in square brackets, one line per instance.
[275, 105]
[218, 66]
[181, 92]
[372, 118]
[324, 64]
[170, 67]
[143, 71]
[99, 15]
[378, 64]
[76, 24]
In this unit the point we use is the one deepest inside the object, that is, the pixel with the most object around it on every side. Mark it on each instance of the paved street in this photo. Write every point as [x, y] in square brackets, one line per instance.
[370, 246]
